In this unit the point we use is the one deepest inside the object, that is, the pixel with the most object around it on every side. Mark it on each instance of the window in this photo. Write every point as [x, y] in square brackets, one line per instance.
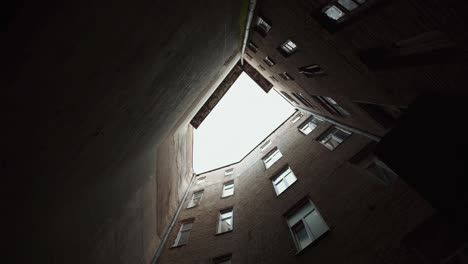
[253, 47]
[225, 223]
[228, 189]
[269, 61]
[309, 125]
[201, 180]
[248, 55]
[331, 106]
[225, 259]
[273, 78]
[272, 157]
[311, 71]
[341, 9]
[304, 100]
[261, 67]
[334, 137]
[286, 76]
[265, 145]
[283, 180]
[229, 171]
[296, 117]
[288, 97]
[184, 233]
[287, 48]
[262, 27]
[381, 171]
[306, 224]
[196, 198]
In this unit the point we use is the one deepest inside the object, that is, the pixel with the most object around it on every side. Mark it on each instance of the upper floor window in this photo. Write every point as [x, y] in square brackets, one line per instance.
[286, 76]
[196, 198]
[304, 100]
[331, 105]
[311, 71]
[262, 26]
[379, 169]
[272, 157]
[287, 48]
[309, 125]
[288, 97]
[265, 145]
[269, 61]
[253, 47]
[340, 9]
[201, 179]
[228, 189]
[283, 180]
[306, 224]
[184, 233]
[225, 222]
[334, 137]
[297, 116]
[229, 171]
[225, 259]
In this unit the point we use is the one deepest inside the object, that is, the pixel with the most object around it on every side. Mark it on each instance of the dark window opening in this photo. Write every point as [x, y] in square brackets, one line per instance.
[269, 61]
[286, 76]
[331, 105]
[288, 97]
[253, 47]
[262, 26]
[386, 116]
[312, 71]
[304, 100]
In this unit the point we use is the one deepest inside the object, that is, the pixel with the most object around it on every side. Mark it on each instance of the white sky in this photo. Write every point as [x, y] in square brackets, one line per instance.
[240, 121]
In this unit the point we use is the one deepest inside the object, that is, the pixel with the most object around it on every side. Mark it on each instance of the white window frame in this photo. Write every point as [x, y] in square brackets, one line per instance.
[281, 179]
[315, 226]
[192, 202]
[224, 215]
[329, 135]
[229, 172]
[310, 124]
[227, 187]
[288, 47]
[272, 157]
[186, 226]
[297, 117]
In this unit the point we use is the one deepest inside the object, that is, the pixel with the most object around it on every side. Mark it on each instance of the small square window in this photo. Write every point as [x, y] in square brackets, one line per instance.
[309, 125]
[286, 76]
[225, 259]
[334, 137]
[262, 26]
[333, 12]
[304, 100]
[272, 157]
[253, 47]
[306, 224]
[311, 71]
[283, 180]
[184, 233]
[225, 222]
[288, 48]
[296, 117]
[228, 189]
[229, 171]
[269, 61]
[350, 5]
[196, 198]
[288, 97]
[265, 145]
[201, 180]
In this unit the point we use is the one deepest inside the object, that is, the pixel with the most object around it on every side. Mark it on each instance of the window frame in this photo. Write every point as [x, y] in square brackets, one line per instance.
[269, 61]
[181, 230]
[286, 50]
[328, 132]
[220, 220]
[226, 184]
[272, 153]
[312, 119]
[298, 209]
[191, 203]
[281, 173]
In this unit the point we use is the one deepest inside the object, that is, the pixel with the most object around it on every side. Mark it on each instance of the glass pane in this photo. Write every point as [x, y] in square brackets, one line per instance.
[275, 156]
[334, 12]
[183, 238]
[225, 225]
[316, 224]
[300, 213]
[228, 192]
[186, 226]
[290, 179]
[348, 4]
[280, 187]
[301, 235]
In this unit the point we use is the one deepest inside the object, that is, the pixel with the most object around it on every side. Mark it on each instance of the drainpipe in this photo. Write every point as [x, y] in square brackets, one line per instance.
[247, 28]
[171, 225]
[345, 126]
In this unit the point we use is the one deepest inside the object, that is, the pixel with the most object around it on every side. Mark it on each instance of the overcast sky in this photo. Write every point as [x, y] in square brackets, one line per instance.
[240, 121]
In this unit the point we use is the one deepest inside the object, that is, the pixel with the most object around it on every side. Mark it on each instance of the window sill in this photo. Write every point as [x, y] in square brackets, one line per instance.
[178, 246]
[225, 232]
[224, 197]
